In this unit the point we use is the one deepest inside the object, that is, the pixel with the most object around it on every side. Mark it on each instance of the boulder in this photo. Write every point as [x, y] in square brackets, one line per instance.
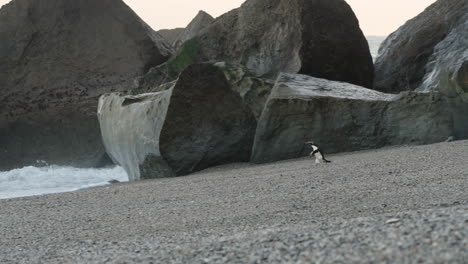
[196, 26]
[321, 38]
[56, 58]
[447, 73]
[407, 55]
[343, 117]
[206, 118]
[447, 67]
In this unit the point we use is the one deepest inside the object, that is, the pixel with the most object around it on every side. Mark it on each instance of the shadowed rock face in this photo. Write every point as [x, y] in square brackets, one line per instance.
[406, 56]
[56, 58]
[207, 118]
[207, 123]
[343, 117]
[321, 38]
[333, 45]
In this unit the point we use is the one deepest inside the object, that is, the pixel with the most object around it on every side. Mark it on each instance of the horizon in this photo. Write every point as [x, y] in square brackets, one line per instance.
[376, 17]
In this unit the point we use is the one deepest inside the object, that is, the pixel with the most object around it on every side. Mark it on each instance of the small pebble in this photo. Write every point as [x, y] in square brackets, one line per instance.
[393, 221]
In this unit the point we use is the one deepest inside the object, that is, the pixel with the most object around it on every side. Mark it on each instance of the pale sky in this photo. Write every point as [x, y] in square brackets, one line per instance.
[377, 17]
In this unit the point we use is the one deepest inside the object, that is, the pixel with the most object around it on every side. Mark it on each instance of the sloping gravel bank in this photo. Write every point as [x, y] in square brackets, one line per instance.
[292, 211]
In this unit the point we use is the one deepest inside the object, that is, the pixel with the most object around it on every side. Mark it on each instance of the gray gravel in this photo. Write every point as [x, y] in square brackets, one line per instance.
[292, 211]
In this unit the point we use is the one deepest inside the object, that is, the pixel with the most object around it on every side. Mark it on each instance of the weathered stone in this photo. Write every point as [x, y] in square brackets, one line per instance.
[154, 80]
[447, 73]
[406, 55]
[447, 68]
[343, 117]
[170, 35]
[168, 71]
[321, 38]
[130, 127]
[56, 58]
[254, 91]
[204, 119]
[196, 26]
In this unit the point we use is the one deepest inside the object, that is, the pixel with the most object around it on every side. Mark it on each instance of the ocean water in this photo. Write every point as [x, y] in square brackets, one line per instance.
[374, 44]
[31, 181]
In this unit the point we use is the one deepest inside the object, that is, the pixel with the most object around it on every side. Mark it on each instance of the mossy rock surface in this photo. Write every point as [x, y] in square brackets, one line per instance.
[187, 55]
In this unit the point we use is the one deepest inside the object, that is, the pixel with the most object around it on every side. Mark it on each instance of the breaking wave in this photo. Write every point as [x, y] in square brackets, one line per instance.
[31, 181]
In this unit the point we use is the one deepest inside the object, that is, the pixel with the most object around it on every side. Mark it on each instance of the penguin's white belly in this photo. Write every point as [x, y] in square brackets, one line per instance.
[318, 157]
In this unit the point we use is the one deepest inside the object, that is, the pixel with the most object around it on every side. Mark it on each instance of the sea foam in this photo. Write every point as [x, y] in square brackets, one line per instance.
[31, 181]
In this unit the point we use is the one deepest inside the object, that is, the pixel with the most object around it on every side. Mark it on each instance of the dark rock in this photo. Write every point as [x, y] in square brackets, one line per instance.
[343, 117]
[155, 80]
[207, 122]
[170, 35]
[168, 72]
[405, 56]
[56, 58]
[321, 38]
[206, 118]
[196, 26]
[113, 181]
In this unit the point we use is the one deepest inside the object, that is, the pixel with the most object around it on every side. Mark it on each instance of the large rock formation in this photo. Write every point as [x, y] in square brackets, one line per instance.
[170, 35]
[407, 55]
[344, 117]
[321, 38]
[206, 118]
[447, 73]
[447, 68]
[56, 58]
[196, 26]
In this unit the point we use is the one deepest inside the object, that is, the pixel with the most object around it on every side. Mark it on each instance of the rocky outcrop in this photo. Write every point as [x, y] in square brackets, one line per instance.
[447, 68]
[321, 38]
[206, 118]
[407, 55]
[196, 26]
[56, 58]
[170, 35]
[447, 73]
[344, 117]
[178, 36]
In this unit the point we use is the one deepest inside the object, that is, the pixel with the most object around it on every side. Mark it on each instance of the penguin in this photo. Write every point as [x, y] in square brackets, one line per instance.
[317, 153]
